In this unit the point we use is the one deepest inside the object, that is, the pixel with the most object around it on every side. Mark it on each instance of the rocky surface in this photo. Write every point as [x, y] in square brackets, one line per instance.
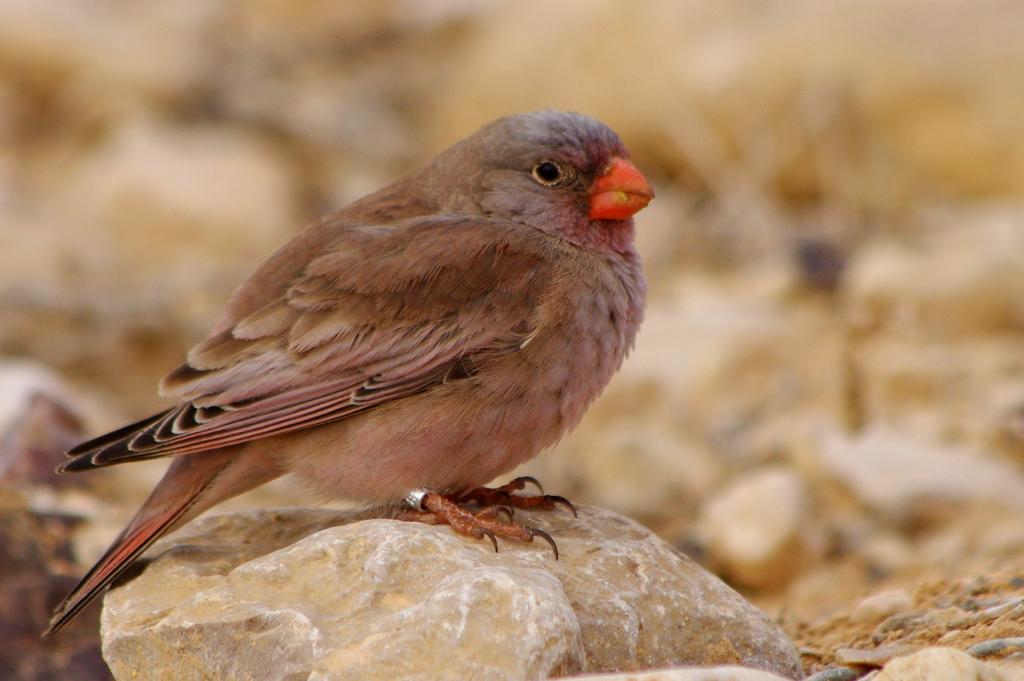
[964, 615]
[266, 595]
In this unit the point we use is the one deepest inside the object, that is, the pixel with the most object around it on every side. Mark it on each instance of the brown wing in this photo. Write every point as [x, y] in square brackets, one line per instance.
[379, 313]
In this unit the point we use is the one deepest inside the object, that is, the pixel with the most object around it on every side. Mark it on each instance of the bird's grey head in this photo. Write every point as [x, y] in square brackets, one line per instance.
[545, 169]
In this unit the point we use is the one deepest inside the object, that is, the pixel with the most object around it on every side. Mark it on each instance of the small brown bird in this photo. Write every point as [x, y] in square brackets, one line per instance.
[412, 346]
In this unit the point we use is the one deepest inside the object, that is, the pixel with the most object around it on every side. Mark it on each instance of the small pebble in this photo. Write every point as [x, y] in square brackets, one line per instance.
[835, 674]
[877, 607]
[997, 646]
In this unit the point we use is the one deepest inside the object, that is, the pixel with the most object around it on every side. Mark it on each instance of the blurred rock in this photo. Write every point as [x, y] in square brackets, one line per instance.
[961, 280]
[887, 552]
[956, 390]
[37, 425]
[357, 78]
[20, 382]
[35, 554]
[326, 61]
[939, 664]
[705, 674]
[159, 193]
[877, 607]
[890, 471]
[755, 529]
[382, 598]
[725, 353]
[125, 53]
[647, 469]
[147, 207]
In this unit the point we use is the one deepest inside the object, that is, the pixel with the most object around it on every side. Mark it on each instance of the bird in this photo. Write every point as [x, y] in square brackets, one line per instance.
[409, 348]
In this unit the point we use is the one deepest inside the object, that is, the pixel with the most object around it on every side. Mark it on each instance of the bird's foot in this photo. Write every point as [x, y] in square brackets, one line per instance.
[505, 496]
[434, 508]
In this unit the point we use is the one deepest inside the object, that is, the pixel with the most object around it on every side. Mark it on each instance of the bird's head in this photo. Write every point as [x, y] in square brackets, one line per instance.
[563, 173]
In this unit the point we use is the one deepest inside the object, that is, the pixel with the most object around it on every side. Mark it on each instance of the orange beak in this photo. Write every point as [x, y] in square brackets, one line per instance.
[619, 192]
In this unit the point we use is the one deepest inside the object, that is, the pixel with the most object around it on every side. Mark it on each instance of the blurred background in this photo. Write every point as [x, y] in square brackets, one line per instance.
[826, 402]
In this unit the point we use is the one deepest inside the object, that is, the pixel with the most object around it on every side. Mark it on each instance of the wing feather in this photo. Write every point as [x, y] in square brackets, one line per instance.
[377, 314]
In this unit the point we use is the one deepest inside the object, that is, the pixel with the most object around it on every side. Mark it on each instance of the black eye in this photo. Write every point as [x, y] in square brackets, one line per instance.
[547, 173]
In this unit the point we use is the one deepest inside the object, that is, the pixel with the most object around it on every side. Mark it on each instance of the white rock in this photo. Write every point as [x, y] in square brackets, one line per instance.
[939, 664]
[754, 529]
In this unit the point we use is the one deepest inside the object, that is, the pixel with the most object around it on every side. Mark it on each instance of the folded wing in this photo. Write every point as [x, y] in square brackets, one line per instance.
[376, 313]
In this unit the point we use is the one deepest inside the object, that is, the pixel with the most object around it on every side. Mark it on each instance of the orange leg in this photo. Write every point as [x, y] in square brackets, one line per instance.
[434, 508]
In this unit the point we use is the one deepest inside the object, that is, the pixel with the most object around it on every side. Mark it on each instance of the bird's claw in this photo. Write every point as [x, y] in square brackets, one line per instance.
[524, 480]
[494, 513]
[555, 500]
[481, 532]
[537, 532]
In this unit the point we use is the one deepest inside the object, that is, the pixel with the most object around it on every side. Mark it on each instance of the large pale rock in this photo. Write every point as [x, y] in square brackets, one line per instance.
[939, 664]
[275, 595]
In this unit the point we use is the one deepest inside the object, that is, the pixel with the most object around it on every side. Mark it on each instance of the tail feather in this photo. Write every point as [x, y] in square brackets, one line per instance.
[135, 539]
[191, 485]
